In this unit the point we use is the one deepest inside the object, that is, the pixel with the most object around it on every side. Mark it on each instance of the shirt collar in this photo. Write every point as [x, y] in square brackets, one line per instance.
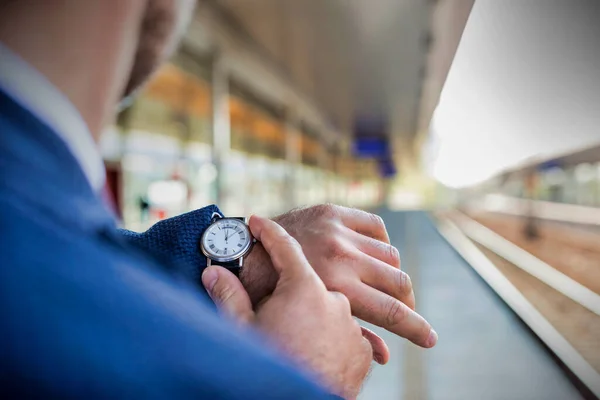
[33, 91]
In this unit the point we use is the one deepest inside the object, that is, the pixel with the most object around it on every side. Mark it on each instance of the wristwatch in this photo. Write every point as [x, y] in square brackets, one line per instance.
[226, 242]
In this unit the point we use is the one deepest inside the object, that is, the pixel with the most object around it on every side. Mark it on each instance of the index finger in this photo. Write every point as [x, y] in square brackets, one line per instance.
[387, 312]
[285, 252]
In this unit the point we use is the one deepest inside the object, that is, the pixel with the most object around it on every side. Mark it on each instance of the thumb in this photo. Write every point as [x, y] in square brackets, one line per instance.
[228, 293]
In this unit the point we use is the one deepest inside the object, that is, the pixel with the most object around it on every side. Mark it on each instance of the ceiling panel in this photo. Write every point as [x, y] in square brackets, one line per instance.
[352, 56]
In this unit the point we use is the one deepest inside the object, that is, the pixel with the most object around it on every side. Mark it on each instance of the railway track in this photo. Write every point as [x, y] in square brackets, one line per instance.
[571, 250]
[553, 286]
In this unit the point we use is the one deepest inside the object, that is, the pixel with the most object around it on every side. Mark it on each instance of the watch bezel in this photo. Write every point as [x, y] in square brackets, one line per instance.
[245, 250]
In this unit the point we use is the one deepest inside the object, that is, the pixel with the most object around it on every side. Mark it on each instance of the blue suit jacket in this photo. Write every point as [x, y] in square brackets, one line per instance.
[85, 314]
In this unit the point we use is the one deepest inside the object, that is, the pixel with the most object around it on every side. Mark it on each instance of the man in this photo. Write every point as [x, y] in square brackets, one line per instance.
[87, 314]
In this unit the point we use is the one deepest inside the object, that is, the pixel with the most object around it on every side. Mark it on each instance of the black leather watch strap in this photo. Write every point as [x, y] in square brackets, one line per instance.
[233, 266]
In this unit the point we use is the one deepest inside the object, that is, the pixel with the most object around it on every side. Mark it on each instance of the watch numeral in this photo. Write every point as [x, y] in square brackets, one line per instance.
[239, 245]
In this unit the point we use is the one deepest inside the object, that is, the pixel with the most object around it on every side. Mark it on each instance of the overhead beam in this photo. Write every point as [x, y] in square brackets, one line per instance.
[448, 21]
[214, 31]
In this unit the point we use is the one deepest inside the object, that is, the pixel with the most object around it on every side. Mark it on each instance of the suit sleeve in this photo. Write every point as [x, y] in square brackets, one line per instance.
[175, 242]
[85, 318]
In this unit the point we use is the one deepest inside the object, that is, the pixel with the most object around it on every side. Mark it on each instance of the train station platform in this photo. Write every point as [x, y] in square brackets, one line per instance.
[484, 349]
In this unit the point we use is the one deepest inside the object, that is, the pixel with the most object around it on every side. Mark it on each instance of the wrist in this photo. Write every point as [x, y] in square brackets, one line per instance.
[258, 276]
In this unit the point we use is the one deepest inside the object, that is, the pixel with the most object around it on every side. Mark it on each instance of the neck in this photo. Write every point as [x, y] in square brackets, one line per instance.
[84, 48]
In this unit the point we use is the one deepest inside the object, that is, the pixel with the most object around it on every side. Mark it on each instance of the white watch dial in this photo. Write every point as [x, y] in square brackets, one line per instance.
[226, 239]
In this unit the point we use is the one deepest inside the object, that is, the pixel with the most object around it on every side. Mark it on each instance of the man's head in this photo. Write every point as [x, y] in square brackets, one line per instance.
[94, 51]
[162, 27]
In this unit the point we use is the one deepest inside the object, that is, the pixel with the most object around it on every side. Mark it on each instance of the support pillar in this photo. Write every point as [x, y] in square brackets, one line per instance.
[293, 157]
[221, 127]
[323, 165]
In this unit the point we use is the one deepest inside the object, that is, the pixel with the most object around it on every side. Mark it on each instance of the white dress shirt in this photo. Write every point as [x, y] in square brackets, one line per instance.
[34, 92]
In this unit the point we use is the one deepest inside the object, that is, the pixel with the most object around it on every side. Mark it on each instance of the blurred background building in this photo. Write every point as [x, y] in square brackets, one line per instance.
[274, 104]
[485, 114]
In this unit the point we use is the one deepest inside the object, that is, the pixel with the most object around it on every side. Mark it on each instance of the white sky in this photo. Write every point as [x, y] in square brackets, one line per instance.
[525, 81]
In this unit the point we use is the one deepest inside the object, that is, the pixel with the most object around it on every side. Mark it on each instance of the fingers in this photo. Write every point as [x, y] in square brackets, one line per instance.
[379, 267]
[226, 290]
[285, 252]
[382, 310]
[385, 278]
[381, 352]
[365, 223]
[376, 248]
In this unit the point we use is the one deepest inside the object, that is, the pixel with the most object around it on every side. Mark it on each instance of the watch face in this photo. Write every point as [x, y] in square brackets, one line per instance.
[227, 239]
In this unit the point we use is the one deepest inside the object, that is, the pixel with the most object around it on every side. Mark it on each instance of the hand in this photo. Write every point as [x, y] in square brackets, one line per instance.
[306, 321]
[350, 250]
